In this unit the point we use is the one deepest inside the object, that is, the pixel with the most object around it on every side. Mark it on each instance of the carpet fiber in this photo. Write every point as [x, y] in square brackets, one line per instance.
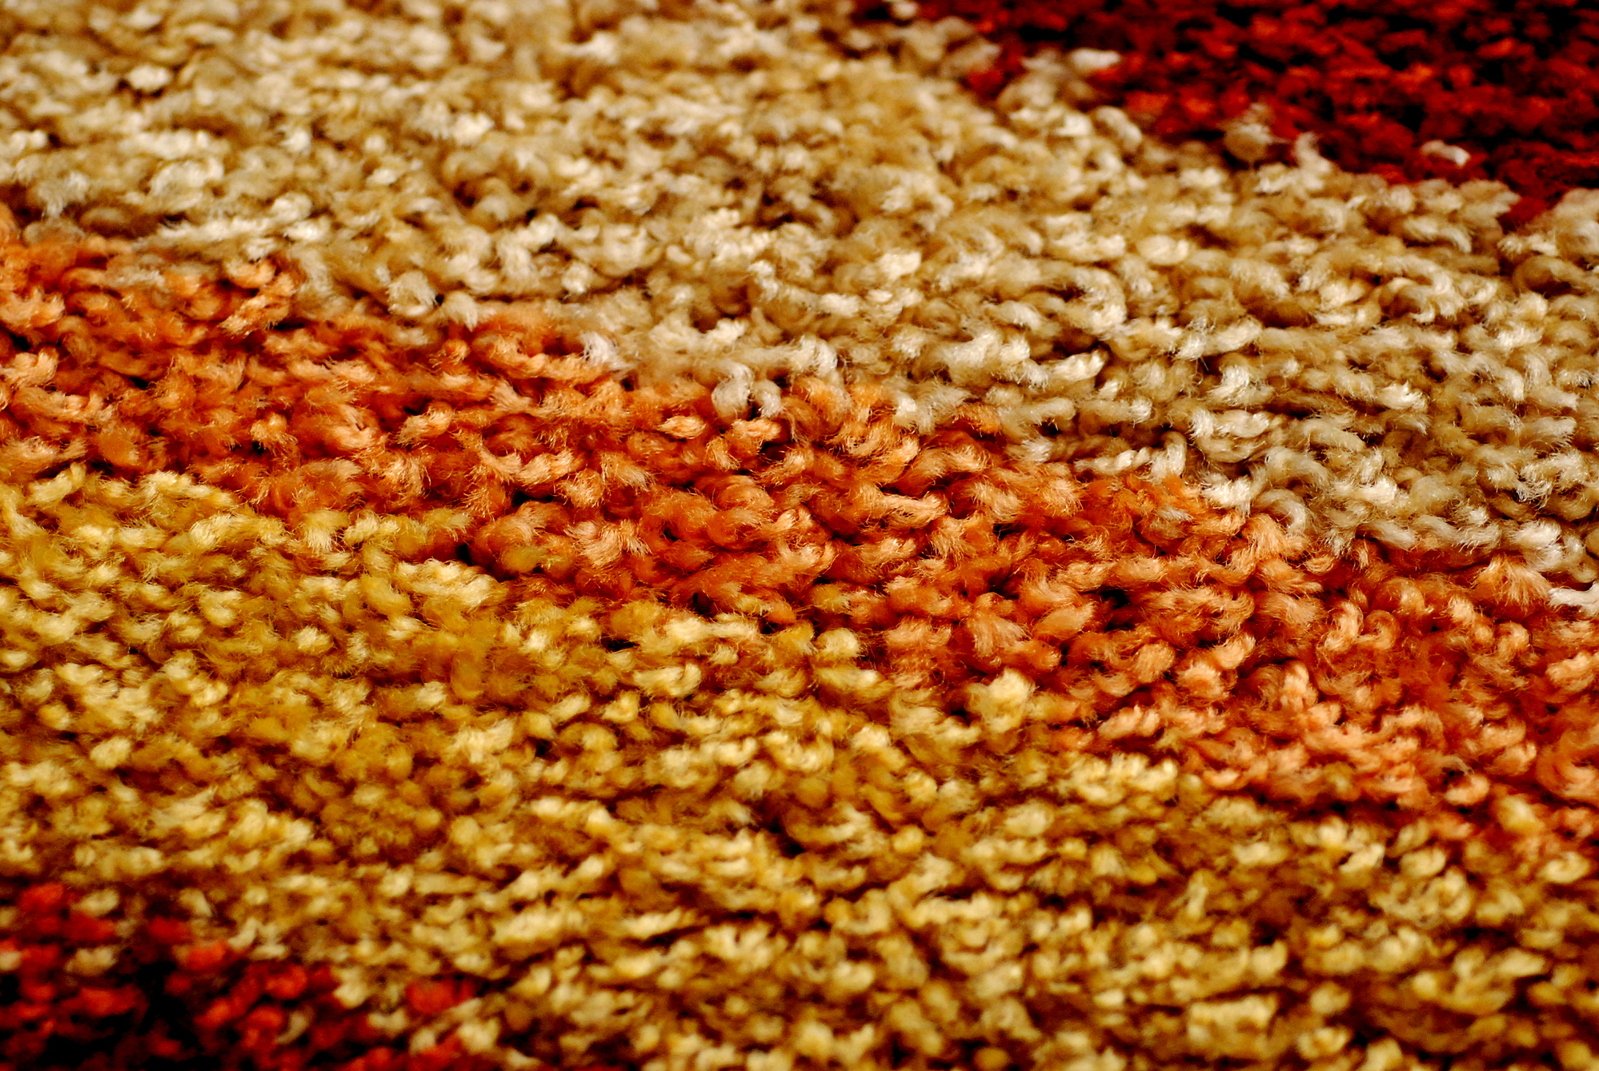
[793, 534]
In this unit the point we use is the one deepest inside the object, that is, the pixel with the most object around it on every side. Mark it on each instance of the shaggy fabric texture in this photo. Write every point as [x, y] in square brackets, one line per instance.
[795, 534]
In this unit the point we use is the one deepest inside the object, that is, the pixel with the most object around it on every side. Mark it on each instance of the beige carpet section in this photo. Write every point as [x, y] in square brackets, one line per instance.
[742, 190]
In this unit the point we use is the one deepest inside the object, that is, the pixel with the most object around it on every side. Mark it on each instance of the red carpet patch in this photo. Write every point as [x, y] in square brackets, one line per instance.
[1405, 89]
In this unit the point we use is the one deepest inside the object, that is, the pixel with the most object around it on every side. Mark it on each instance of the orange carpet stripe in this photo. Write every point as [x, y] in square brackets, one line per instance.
[1146, 619]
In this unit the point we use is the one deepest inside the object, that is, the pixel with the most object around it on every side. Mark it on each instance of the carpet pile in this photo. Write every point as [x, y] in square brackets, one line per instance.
[791, 534]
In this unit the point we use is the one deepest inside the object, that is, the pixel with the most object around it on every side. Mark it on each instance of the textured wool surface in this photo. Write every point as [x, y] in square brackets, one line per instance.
[794, 534]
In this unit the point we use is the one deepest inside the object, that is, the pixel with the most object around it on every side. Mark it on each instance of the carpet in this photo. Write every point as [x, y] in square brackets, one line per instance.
[700, 534]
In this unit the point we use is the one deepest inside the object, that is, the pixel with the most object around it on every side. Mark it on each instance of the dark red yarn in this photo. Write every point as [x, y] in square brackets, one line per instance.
[1512, 82]
[176, 1004]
